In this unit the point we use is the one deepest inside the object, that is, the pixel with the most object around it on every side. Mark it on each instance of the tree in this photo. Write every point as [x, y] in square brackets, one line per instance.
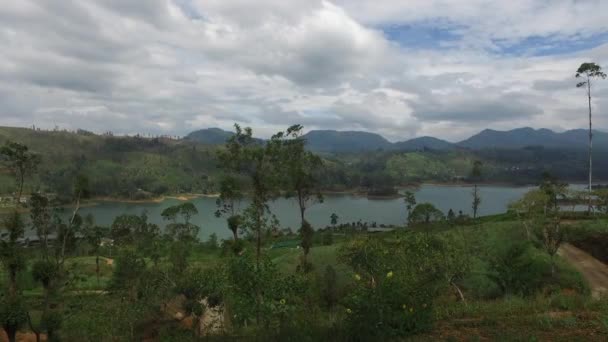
[80, 191]
[410, 203]
[307, 233]
[451, 216]
[301, 181]
[181, 230]
[334, 219]
[425, 213]
[476, 176]
[40, 216]
[539, 210]
[13, 313]
[258, 163]
[589, 71]
[93, 234]
[20, 162]
[228, 204]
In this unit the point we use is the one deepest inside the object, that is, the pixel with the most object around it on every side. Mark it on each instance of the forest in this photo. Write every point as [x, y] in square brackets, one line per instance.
[440, 276]
[140, 168]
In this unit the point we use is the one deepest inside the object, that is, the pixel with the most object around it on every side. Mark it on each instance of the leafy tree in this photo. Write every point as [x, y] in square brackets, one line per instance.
[602, 198]
[425, 213]
[212, 242]
[11, 254]
[589, 71]
[40, 216]
[301, 180]
[259, 164]
[307, 233]
[228, 204]
[20, 161]
[410, 203]
[539, 209]
[13, 315]
[334, 219]
[93, 234]
[181, 230]
[13, 312]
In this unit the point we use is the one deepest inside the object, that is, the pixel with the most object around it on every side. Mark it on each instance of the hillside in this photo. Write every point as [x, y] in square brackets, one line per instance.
[423, 143]
[329, 141]
[522, 137]
[138, 168]
[346, 141]
[209, 136]
[129, 167]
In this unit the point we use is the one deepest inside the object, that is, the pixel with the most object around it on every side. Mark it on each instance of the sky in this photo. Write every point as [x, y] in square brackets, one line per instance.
[402, 69]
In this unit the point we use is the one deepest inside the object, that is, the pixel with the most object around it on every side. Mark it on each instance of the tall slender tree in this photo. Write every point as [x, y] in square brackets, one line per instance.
[589, 71]
[476, 176]
[229, 204]
[259, 163]
[301, 181]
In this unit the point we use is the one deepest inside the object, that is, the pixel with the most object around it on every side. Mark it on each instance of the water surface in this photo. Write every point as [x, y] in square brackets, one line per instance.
[349, 208]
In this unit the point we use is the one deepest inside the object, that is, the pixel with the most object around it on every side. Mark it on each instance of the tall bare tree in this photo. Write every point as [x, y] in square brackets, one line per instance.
[589, 71]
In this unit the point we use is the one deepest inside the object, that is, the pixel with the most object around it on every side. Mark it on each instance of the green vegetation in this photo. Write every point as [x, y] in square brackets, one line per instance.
[140, 168]
[441, 276]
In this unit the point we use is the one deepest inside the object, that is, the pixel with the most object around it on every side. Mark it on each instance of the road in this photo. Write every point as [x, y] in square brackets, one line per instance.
[593, 270]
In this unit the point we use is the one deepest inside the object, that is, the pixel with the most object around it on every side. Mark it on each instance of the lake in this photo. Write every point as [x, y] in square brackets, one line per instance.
[349, 208]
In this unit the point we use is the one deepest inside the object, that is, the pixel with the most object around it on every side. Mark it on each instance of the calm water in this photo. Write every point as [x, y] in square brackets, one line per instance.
[494, 200]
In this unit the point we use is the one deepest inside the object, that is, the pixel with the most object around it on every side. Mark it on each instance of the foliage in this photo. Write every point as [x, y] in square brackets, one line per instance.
[425, 213]
[20, 161]
[258, 292]
[396, 283]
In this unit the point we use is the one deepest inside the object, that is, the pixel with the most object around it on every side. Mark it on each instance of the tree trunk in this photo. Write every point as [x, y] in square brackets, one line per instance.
[460, 294]
[36, 332]
[11, 332]
[590, 144]
[97, 268]
[69, 227]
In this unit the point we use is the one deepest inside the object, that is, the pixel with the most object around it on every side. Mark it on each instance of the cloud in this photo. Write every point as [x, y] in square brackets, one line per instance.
[467, 108]
[398, 68]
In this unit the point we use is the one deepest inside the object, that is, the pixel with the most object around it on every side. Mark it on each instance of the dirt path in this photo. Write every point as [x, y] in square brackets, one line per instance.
[593, 270]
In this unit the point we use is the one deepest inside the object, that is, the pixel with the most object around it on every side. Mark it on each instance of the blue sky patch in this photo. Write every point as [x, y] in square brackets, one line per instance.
[422, 35]
[553, 45]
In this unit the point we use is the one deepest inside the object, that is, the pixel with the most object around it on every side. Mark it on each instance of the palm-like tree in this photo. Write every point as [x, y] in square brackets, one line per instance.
[588, 71]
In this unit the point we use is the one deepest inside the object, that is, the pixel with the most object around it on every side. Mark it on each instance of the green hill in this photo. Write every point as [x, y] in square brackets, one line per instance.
[130, 167]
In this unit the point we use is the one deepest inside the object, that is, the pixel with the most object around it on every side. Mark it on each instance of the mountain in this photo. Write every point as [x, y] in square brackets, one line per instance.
[345, 141]
[523, 137]
[422, 143]
[210, 136]
[330, 141]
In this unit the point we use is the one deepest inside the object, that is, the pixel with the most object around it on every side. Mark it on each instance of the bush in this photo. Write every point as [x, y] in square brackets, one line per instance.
[395, 286]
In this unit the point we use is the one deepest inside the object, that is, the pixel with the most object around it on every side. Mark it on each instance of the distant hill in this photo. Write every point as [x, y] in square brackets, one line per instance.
[523, 137]
[210, 136]
[345, 141]
[330, 141]
[423, 143]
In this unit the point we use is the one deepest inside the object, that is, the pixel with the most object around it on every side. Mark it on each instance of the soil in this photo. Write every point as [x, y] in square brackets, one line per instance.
[596, 245]
[593, 270]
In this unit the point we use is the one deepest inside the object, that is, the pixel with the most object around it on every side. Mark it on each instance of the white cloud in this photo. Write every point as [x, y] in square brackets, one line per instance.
[172, 66]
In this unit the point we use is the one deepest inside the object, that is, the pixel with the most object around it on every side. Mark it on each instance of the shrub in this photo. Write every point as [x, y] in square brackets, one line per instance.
[395, 286]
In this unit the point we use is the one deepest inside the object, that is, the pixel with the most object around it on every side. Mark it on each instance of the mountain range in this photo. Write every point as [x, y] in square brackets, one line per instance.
[330, 141]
